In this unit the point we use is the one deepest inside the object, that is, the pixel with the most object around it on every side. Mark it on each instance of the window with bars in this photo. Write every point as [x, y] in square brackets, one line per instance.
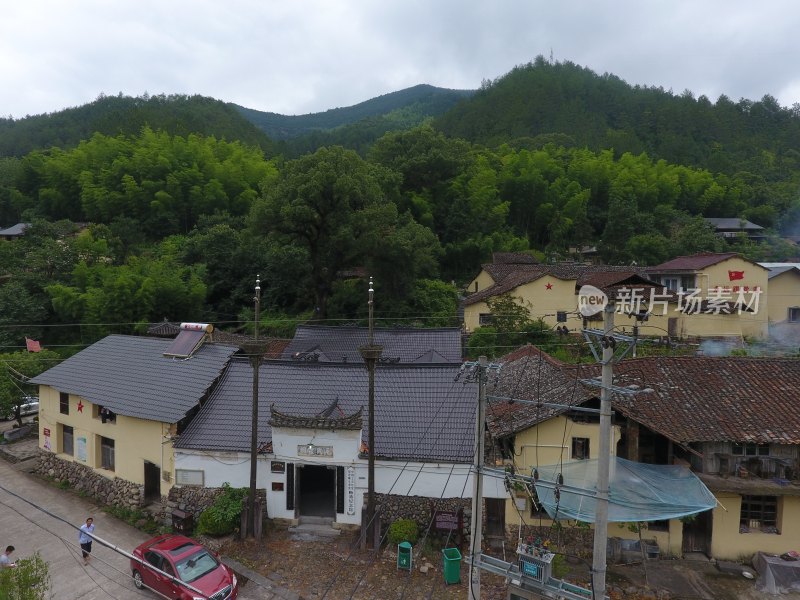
[63, 403]
[106, 453]
[67, 437]
[759, 513]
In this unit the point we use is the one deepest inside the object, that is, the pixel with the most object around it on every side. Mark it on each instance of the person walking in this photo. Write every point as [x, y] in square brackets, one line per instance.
[85, 539]
[5, 558]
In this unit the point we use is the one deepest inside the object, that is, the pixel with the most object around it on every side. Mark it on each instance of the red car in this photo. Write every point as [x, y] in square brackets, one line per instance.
[168, 557]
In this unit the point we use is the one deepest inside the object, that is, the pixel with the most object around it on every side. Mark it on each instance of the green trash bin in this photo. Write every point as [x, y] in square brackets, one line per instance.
[404, 556]
[452, 565]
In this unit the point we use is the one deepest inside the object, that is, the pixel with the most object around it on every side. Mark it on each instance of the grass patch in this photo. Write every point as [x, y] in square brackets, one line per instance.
[135, 517]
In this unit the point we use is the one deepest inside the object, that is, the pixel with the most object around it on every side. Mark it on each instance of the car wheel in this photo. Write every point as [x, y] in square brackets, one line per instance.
[137, 580]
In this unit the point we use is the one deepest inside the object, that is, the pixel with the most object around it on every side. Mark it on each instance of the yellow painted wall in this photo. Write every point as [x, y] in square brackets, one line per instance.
[784, 292]
[727, 543]
[540, 300]
[135, 440]
[554, 446]
[480, 283]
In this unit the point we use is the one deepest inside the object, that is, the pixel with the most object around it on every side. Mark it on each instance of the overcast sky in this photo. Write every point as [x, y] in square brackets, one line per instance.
[301, 56]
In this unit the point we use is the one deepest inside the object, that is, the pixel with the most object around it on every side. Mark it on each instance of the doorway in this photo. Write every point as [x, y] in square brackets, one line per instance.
[697, 533]
[317, 491]
[152, 482]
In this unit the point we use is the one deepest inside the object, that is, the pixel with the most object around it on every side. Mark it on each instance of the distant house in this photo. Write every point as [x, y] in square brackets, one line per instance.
[784, 293]
[14, 232]
[734, 421]
[732, 229]
[109, 413]
[731, 292]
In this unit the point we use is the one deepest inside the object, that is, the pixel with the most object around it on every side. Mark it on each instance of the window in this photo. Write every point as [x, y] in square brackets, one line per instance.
[671, 283]
[63, 403]
[106, 415]
[67, 436]
[794, 314]
[759, 513]
[485, 319]
[750, 449]
[658, 525]
[106, 453]
[580, 448]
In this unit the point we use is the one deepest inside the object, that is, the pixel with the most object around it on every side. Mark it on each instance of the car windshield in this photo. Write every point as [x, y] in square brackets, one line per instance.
[195, 566]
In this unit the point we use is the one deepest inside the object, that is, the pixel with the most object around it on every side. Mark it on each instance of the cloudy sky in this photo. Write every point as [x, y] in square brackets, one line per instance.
[300, 56]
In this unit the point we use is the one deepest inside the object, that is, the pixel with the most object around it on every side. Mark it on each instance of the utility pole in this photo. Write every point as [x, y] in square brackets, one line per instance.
[476, 522]
[604, 458]
[255, 350]
[371, 353]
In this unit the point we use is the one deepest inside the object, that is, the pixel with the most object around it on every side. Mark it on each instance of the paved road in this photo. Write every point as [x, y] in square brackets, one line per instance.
[30, 529]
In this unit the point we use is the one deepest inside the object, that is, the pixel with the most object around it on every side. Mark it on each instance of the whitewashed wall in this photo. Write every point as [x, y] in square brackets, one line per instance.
[432, 480]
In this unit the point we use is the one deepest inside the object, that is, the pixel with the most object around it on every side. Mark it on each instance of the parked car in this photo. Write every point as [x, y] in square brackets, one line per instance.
[169, 556]
[29, 406]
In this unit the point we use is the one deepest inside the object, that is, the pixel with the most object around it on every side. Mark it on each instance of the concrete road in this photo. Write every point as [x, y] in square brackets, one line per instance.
[29, 528]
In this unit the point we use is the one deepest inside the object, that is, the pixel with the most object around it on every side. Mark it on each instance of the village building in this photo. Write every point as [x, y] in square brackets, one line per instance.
[700, 296]
[734, 421]
[109, 414]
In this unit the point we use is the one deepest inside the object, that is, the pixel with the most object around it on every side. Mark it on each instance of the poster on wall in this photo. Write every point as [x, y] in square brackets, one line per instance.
[80, 449]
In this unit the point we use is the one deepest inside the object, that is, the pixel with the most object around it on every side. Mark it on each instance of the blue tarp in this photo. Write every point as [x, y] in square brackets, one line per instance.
[637, 491]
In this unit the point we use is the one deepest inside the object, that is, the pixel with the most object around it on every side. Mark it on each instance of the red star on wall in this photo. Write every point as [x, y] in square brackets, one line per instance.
[80, 406]
[549, 286]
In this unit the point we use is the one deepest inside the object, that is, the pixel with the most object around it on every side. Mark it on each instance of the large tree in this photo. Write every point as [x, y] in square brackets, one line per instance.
[325, 202]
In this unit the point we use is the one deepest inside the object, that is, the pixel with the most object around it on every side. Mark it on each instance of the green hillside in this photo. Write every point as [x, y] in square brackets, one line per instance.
[112, 115]
[426, 100]
[541, 101]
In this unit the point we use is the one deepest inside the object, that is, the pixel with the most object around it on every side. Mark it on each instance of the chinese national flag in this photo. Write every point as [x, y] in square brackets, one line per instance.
[33, 345]
[734, 275]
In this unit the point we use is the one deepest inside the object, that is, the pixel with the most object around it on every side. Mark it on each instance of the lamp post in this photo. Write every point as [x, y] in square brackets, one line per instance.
[255, 350]
[371, 353]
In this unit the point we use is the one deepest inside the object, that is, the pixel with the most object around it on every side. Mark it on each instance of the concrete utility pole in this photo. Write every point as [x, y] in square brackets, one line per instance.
[476, 522]
[371, 353]
[255, 350]
[604, 457]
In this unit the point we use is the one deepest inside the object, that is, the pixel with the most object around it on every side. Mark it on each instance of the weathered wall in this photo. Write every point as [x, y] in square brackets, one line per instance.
[113, 491]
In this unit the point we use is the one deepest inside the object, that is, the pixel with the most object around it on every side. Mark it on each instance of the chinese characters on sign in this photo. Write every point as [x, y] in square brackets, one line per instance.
[351, 491]
[312, 450]
[719, 300]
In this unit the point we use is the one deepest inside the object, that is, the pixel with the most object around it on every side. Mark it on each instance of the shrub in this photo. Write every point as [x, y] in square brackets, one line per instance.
[30, 580]
[403, 530]
[222, 517]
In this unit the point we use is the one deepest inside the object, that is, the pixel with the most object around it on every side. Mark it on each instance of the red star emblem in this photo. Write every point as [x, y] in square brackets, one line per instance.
[549, 286]
[80, 406]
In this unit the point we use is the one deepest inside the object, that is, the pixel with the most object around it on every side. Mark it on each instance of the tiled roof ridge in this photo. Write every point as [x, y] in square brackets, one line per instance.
[352, 422]
[530, 350]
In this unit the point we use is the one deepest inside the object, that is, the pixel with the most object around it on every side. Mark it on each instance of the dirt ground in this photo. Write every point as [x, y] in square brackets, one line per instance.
[334, 568]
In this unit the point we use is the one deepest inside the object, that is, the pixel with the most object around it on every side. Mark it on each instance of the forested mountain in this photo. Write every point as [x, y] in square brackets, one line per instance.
[408, 107]
[542, 102]
[168, 207]
[113, 115]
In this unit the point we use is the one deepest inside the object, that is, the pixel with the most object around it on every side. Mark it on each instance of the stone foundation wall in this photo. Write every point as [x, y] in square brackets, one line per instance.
[112, 491]
[418, 509]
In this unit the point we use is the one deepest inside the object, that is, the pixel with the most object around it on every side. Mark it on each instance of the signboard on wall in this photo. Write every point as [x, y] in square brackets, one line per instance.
[277, 466]
[188, 477]
[351, 490]
[448, 520]
[312, 450]
[80, 449]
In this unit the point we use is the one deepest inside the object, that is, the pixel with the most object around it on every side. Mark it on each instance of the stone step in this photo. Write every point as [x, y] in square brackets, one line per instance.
[311, 520]
[312, 529]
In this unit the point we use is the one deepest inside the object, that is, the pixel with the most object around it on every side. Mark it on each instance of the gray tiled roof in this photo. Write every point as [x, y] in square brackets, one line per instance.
[421, 411]
[341, 344]
[130, 375]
